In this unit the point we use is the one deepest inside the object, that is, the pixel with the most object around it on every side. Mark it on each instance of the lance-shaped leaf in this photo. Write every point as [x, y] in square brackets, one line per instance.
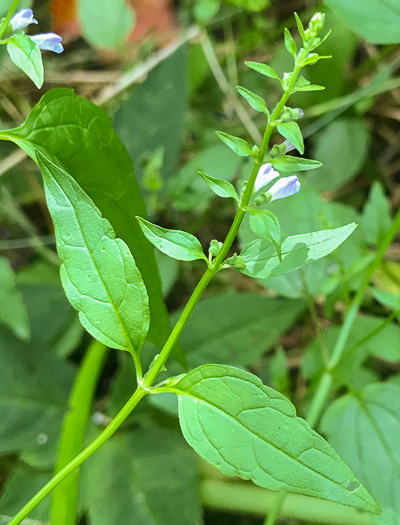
[291, 132]
[255, 101]
[304, 85]
[313, 58]
[27, 56]
[220, 187]
[265, 70]
[247, 429]
[364, 428]
[262, 262]
[175, 243]
[290, 43]
[98, 272]
[238, 145]
[289, 163]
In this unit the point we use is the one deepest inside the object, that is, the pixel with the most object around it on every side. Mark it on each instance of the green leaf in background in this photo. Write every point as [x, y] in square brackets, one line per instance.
[250, 5]
[292, 132]
[363, 428]
[376, 220]
[104, 172]
[13, 312]
[220, 187]
[255, 101]
[26, 55]
[236, 328]
[151, 480]
[342, 148]
[106, 24]
[174, 243]
[296, 251]
[265, 70]
[247, 429]
[188, 191]
[238, 145]
[154, 112]
[98, 273]
[290, 43]
[290, 163]
[205, 10]
[378, 21]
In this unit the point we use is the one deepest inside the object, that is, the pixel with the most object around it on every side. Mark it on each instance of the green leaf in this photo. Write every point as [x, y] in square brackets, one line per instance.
[265, 70]
[255, 101]
[205, 10]
[291, 131]
[26, 55]
[290, 163]
[378, 21]
[309, 87]
[342, 148]
[376, 219]
[238, 145]
[313, 58]
[77, 123]
[220, 187]
[290, 43]
[98, 272]
[250, 5]
[364, 428]
[13, 313]
[249, 430]
[174, 243]
[151, 480]
[266, 225]
[300, 26]
[296, 251]
[106, 23]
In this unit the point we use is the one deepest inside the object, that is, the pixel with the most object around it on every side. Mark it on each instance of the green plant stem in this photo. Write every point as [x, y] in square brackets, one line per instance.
[276, 509]
[6, 21]
[243, 498]
[83, 456]
[325, 384]
[158, 364]
[64, 503]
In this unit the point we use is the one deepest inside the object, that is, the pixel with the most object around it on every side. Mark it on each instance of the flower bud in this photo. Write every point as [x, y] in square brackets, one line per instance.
[215, 248]
[316, 24]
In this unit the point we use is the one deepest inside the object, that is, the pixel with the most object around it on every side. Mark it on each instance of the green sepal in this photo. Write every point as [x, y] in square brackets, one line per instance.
[238, 145]
[265, 70]
[255, 101]
[288, 163]
[98, 272]
[26, 55]
[220, 187]
[291, 131]
[174, 243]
[290, 43]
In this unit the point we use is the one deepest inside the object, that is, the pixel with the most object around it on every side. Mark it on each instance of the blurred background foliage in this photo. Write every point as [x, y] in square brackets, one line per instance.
[166, 72]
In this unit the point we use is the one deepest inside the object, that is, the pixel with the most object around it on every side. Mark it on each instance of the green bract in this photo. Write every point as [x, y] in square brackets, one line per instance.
[98, 272]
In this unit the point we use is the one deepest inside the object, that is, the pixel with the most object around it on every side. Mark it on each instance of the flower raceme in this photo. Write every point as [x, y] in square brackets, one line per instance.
[45, 41]
[282, 188]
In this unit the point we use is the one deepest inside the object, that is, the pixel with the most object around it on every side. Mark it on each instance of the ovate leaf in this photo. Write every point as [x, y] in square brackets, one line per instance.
[220, 187]
[247, 429]
[238, 145]
[364, 427]
[175, 243]
[255, 101]
[13, 313]
[98, 272]
[26, 55]
[265, 70]
[291, 132]
[296, 251]
[289, 163]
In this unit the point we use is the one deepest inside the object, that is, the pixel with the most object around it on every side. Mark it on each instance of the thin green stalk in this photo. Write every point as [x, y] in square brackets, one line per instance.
[82, 457]
[158, 364]
[64, 503]
[325, 384]
[276, 509]
[8, 17]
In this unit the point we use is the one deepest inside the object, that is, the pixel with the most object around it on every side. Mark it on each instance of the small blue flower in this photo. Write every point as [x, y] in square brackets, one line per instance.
[49, 41]
[22, 19]
[265, 175]
[284, 187]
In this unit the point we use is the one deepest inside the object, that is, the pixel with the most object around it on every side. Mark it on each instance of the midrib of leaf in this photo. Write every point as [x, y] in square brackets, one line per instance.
[253, 433]
[28, 55]
[116, 310]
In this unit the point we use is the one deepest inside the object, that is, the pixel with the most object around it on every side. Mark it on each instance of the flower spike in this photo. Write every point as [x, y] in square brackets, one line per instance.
[22, 19]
